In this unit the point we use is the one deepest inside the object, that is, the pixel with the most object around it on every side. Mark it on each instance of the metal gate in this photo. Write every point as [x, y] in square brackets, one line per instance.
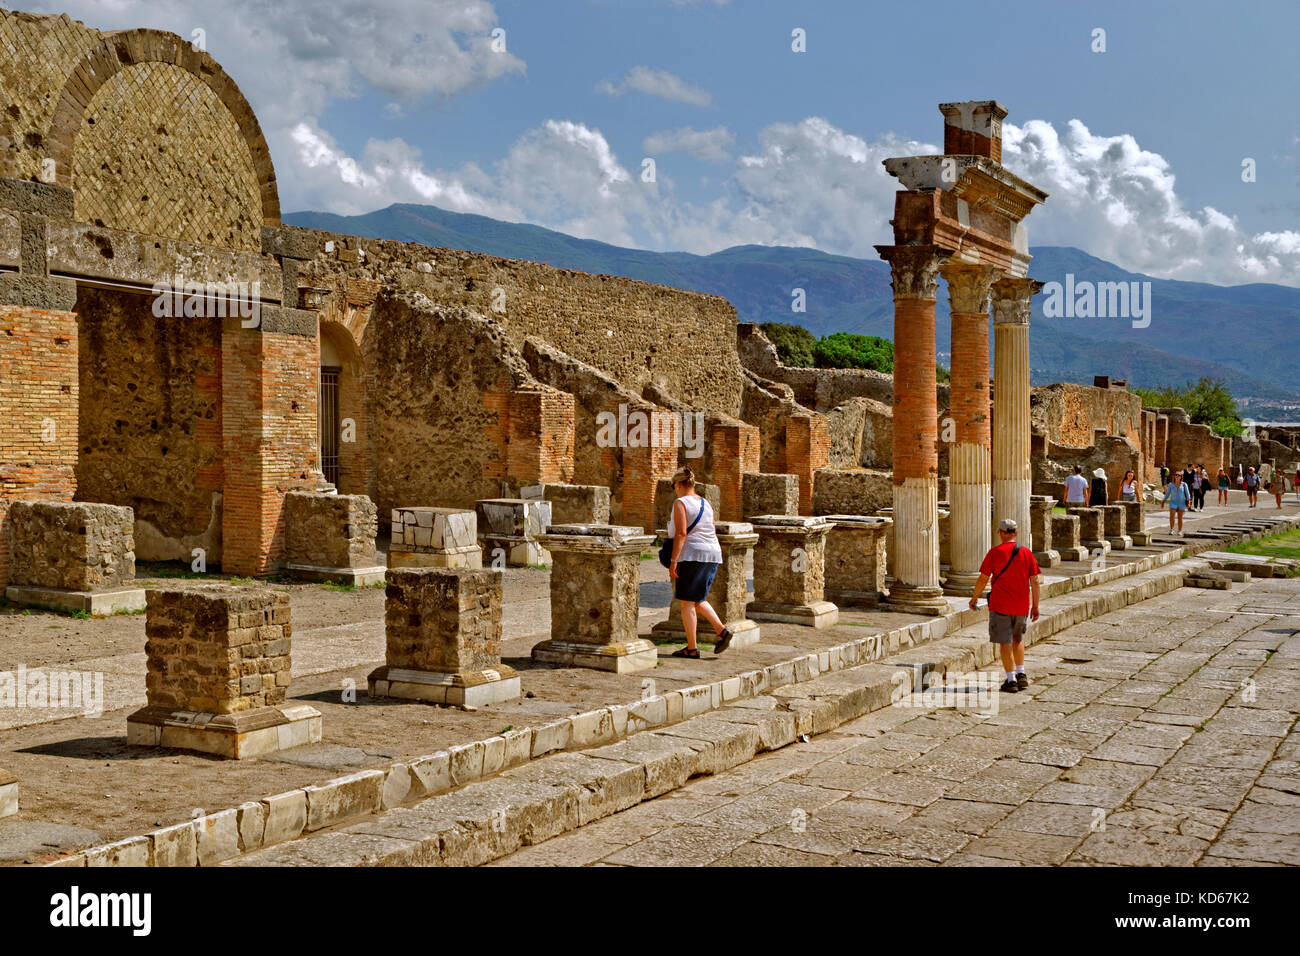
[329, 422]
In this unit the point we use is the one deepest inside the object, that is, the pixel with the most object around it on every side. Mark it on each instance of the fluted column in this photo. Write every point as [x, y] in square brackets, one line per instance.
[915, 271]
[1012, 481]
[969, 465]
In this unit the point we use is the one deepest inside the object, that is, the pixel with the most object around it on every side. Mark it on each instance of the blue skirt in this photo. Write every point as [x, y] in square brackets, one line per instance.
[694, 578]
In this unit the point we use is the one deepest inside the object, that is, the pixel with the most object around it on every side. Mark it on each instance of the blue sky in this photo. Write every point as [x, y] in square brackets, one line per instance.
[1141, 146]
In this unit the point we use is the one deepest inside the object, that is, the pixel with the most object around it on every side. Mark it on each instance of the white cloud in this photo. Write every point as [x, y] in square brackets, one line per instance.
[1118, 202]
[659, 83]
[711, 144]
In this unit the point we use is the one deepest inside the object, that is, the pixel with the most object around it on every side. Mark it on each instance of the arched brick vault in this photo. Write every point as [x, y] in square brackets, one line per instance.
[122, 50]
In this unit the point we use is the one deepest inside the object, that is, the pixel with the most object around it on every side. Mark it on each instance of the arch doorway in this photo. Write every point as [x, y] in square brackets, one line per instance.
[341, 421]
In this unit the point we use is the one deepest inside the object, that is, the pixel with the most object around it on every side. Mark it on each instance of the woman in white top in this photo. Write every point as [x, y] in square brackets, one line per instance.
[695, 561]
[1128, 487]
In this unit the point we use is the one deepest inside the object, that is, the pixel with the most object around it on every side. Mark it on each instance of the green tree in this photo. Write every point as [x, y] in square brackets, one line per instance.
[794, 344]
[850, 350]
[1206, 402]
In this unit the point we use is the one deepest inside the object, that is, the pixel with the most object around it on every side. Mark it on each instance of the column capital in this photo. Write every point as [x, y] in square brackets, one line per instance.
[968, 285]
[1012, 300]
[914, 269]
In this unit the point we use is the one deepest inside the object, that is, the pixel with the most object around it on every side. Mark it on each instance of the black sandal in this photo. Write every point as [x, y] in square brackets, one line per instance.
[692, 652]
[723, 641]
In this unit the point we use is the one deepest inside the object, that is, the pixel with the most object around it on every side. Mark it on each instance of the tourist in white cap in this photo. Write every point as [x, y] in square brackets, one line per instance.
[1013, 601]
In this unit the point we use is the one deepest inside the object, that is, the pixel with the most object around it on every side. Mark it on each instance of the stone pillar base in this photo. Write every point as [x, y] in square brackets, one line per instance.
[960, 583]
[357, 577]
[470, 556]
[94, 603]
[1092, 547]
[1141, 539]
[8, 794]
[914, 600]
[1120, 542]
[1047, 559]
[817, 614]
[744, 632]
[1073, 554]
[620, 657]
[520, 552]
[247, 733]
[461, 688]
[847, 597]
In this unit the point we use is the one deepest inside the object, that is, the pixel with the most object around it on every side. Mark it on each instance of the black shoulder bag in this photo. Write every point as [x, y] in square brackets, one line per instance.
[666, 549]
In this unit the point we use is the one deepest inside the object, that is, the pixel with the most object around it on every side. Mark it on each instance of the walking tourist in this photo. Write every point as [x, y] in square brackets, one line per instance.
[1277, 485]
[1100, 494]
[1128, 488]
[1076, 489]
[1252, 486]
[696, 557]
[1013, 601]
[1223, 487]
[1177, 497]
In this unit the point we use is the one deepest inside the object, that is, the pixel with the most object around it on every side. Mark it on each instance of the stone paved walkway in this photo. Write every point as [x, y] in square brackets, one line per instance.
[1161, 734]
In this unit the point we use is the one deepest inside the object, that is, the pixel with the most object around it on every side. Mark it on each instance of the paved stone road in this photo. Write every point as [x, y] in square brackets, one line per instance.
[1162, 734]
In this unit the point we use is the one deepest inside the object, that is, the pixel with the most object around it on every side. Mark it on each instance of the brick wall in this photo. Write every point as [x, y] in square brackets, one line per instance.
[916, 431]
[807, 449]
[540, 437]
[38, 411]
[1196, 444]
[732, 452]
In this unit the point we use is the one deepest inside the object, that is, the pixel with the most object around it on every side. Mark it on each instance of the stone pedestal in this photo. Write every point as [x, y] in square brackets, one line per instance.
[969, 462]
[443, 627]
[434, 538]
[508, 530]
[8, 794]
[1040, 529]
[1012, 478]
[855, 560]
[1065, 538]
[1092, 529]
[790, 571]
[595, 598]
[218, 674]
[1134, 523]
[767, 494]
[571, 504]
[1113, 521]
[331, 538]
[729, 594]
[944, 515]
[73, 556]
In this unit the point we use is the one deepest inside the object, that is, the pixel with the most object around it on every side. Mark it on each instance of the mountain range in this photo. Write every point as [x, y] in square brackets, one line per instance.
[1247, 336]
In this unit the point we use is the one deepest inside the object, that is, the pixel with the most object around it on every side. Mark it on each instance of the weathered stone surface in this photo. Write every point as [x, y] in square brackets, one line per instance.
[78, 546]
[330, 531]
[572, 504]
[852, 491]
[765, 494]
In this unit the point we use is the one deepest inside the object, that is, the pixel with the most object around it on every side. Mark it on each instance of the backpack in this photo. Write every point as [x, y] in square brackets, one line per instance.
[666, 549]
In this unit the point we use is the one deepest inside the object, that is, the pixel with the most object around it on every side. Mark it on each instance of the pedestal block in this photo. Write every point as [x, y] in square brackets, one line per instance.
[1092, 529]
[790, 571]
[595, 598]
[729, 594]
[218, 663]
[434, 538]
[572, 504]
[508, 530]
[331, 537]
[768, 494]
[1114, 518]
[1065, 538]
[73, 556]
[443, 630]
[855, 560]
[1134, 523]
[1040, 528]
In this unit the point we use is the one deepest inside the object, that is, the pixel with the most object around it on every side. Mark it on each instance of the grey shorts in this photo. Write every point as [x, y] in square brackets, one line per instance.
[1005, 628]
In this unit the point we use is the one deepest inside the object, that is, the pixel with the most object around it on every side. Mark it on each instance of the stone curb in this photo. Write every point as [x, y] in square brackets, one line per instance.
[217, 837]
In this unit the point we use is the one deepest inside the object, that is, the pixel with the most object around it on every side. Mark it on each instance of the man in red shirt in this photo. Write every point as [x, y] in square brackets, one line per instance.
[1013, 601]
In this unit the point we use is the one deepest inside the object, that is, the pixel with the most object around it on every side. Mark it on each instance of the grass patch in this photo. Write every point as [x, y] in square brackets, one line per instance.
[1286, 544]
[342, 587]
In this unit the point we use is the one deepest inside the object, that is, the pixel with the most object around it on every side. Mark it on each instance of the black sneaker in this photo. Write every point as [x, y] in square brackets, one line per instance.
[1022, 682]
[1009, 687]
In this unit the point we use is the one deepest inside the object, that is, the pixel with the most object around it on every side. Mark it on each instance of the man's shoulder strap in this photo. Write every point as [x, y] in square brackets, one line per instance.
[1015, 549]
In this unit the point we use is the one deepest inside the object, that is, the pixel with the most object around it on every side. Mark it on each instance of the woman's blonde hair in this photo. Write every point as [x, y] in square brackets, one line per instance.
[684, 477]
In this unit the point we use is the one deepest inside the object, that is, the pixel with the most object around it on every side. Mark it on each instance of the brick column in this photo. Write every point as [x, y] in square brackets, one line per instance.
[539, 437]
[1012, 479]
[807, 448]
[969, 457]
[645, 464]
[915, 271]
[732, 451]
[269, 398]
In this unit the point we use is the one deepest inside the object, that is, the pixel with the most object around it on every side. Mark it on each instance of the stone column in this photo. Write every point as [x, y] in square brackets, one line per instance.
[443, 628]
[1012, 480]
[218, 665]
[1092, 529]
[969, 462]
[1065, 538]
[1040, 530]
[595, 598]
[1135, 523]
[915, 272]
[790, 571]
[855, 560]
[1113, 529]
[729, 594]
